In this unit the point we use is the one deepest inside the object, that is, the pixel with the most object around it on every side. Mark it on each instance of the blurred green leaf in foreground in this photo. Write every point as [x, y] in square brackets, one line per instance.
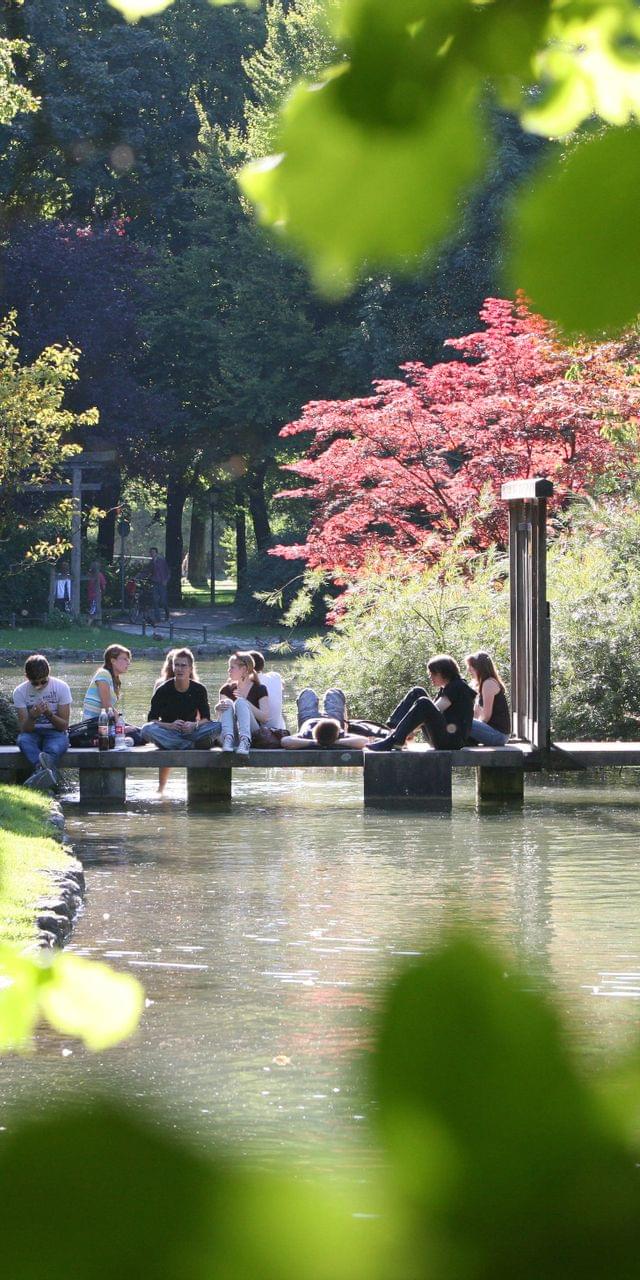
[499, 1161]
[375, 162]
[76, 997]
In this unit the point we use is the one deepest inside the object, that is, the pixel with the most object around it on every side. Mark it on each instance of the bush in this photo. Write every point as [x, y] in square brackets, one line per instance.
[8, 722]
[393, 623]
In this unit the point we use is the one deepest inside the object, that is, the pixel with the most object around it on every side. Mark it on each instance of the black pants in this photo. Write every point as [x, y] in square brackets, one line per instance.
[418, 711]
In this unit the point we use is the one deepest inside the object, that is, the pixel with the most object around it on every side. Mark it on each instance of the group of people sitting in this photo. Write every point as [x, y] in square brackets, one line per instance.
[249, 710]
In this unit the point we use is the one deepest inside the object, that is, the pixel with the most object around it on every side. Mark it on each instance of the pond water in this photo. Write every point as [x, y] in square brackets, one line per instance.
[262, 931]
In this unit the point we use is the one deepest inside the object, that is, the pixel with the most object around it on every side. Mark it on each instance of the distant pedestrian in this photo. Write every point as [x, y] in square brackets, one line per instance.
[62, 588]
[159, 574]
[42, 704]
[96, 587]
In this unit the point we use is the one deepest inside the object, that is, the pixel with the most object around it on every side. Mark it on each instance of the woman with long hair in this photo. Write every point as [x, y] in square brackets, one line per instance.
[244, 704]
[106, 683]
[491, 723]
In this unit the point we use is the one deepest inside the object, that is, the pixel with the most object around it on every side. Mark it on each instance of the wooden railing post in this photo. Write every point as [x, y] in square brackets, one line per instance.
[530, 624]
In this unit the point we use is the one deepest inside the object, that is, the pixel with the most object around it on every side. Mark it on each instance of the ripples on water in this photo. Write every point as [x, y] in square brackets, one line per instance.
[262, 932]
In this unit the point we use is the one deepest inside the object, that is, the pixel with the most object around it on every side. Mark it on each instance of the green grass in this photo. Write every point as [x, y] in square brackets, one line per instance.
[27, 853]
[200, 597]
[37, 639]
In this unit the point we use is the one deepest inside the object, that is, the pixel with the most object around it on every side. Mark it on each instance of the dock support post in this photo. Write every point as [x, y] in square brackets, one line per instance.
[500, 785]
[417, 779]
[106, 785]
[208, 784]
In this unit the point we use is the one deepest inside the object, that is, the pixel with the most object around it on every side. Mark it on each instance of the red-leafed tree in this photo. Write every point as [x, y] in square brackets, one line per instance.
[402, 470]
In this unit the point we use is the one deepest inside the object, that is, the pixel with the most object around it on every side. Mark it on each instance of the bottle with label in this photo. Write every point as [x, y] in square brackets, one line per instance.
[103, 731]
[119, 730]
[112, 728]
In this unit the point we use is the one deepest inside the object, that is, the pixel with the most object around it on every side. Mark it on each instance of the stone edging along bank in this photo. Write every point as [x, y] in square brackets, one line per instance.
[56, 913]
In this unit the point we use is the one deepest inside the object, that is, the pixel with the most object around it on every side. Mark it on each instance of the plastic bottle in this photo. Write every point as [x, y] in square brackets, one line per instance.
[103, 731]
[112, 728]
[119, 731]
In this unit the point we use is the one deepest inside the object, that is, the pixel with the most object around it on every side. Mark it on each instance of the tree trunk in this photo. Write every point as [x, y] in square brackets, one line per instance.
[197, 543]
[258, 509]
[176, 498]
[241, 540]
[109, 498]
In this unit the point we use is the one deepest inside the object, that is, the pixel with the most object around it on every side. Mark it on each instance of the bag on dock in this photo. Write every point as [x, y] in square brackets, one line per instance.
[84, 733]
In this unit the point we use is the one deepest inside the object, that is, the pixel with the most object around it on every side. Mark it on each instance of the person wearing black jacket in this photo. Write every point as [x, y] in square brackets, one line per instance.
[446, 722]
[179, 716]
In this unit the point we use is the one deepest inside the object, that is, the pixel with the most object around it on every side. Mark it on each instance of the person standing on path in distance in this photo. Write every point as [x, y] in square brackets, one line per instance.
[179, 716]
[96, 581]
[244, 705]
[159, 574]
[42, 704]
[62, 588]
[491, 723]
[446, 723]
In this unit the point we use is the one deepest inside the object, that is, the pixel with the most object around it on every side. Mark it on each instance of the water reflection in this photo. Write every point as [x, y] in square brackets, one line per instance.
[262, 932]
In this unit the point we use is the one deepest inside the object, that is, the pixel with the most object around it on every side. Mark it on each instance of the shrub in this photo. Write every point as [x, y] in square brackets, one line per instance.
[8, 722]
[393, 623]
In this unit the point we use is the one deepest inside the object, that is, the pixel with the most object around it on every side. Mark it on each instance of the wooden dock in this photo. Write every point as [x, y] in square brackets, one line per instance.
[417, 777]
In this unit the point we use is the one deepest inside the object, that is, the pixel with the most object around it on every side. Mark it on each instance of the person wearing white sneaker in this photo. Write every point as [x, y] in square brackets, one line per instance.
[244, 705]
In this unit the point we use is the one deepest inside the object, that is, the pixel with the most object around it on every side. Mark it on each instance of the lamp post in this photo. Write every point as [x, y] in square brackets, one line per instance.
[124, 529]
[214, 494]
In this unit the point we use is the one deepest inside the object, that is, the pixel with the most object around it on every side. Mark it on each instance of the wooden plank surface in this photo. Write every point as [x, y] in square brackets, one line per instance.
[593, 755]
[149, 757]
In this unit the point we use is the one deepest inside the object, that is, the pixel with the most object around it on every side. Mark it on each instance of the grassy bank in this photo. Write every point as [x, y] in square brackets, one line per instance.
[27, 854]
[39, 639]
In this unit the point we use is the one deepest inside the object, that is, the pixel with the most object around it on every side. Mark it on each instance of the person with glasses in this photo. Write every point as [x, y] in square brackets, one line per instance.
[42, 704]
[179, 716]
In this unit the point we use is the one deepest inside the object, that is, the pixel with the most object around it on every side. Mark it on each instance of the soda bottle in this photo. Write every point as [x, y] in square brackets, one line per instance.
[119, 730]
[111, 728]
[103, 731]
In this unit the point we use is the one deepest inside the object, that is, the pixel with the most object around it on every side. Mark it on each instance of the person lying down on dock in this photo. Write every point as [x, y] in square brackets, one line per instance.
[331, 729]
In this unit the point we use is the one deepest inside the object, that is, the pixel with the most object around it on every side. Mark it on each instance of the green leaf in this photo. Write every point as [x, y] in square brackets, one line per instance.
[86, 999]
[589, 65]
[90, 1190]
[19, 998]
[351, 194]
[502, 1149]
[574, 236]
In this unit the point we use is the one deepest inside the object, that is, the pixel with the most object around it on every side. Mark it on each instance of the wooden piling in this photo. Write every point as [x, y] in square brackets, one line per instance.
[415, 779]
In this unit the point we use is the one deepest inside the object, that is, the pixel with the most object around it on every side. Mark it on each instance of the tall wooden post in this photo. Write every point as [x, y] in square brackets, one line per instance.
[76, 536]
[530, 630]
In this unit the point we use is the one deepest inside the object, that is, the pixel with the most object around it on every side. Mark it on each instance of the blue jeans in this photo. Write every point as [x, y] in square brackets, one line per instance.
[175, 740]
[334, 706]
[159, 598]
[486, 735]
[54, 741]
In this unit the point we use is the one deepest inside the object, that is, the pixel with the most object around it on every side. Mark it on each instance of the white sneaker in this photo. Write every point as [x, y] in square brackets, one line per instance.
[244, 746]
[228, 743]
